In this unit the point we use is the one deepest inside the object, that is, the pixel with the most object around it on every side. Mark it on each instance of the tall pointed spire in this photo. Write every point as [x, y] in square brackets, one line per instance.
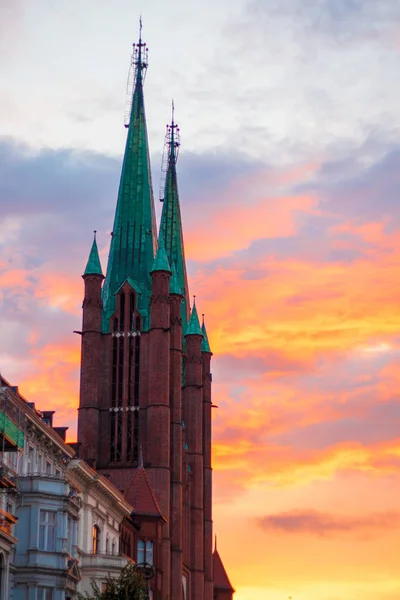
[133, 241]
[171, 222]
[93, 266]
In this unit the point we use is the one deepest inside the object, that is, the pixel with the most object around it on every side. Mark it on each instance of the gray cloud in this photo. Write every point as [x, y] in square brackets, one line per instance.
[344, 19]
[322, 524]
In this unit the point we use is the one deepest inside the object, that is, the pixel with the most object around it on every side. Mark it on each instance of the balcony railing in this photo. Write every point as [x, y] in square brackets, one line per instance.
[8, 476]
[7, 521]
[11, 423]
[43, 475]
[102, 561]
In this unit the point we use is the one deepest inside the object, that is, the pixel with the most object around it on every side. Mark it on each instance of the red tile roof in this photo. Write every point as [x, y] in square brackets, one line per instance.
[141, 495]
[221, 579]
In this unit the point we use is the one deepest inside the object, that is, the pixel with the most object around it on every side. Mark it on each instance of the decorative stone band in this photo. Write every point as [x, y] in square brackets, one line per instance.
[128, 334]
[123, 408]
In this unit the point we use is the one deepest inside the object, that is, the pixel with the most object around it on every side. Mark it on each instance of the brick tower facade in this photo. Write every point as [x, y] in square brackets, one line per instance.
[145, 396]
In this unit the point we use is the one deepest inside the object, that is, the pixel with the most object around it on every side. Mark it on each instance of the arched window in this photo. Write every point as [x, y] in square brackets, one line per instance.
[96, 539]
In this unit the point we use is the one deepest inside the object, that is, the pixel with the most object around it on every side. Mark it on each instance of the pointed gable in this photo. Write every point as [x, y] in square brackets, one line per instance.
[141, 496]
[134, 238]
[221, 579]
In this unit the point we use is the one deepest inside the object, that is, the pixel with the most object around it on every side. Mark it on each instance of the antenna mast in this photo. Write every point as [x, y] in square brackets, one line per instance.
[137, 72]
[171, 150]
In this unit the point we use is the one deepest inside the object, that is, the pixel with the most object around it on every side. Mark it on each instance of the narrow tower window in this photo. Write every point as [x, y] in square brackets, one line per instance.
[124, 405]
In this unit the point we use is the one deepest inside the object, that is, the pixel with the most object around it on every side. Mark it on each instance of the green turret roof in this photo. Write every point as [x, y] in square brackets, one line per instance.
[161, 260]
[171, 223]
[205, 345]
[93, 266]
[194, 324]
[133, 240]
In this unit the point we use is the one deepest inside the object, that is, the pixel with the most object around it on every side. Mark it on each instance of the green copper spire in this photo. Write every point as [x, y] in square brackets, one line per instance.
[161, 260]
[171, 223]
[194, 323]
[93, 266]
[205, 345]
[174, 287]
[133, 239]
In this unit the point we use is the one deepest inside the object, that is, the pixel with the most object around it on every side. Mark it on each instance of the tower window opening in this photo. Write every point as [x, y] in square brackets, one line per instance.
[137, 371]
[112, 436]
[131, 310]
[119, 436]
[131, 371]
[121, 341]
[122, 312]
[114, 371]
[137, 324]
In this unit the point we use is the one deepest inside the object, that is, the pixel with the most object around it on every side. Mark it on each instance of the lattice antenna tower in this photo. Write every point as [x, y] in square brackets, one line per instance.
[138, 67]
[171, 150]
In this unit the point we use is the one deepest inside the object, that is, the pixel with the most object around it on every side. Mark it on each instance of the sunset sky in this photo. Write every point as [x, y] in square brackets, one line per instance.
[289, 177]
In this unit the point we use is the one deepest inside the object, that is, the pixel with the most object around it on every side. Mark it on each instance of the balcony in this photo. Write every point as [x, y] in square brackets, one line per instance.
[102, 562]
[11, 422]
[7, 522]
[43, 483]
[8, 473]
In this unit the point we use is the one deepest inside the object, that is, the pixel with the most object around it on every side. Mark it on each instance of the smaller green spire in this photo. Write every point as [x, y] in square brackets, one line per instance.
[161, 260]
[93, 266]
[205, 345]
[174, 287]
[194, 323]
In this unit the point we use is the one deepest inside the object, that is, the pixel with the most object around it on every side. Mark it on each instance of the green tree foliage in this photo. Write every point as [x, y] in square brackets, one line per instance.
[130, 585]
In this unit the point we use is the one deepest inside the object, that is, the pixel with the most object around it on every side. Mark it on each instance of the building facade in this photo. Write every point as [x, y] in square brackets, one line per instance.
[44, 569]
[145, 391]
[11, 447]
[60, 521]
[96, 544]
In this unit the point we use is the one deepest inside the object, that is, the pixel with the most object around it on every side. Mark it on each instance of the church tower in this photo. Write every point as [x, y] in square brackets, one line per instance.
[145, 395]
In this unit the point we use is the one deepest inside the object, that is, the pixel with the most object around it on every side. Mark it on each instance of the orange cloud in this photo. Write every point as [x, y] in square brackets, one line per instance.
[235, 228]
[301, 306]
[53, 380]
[60, 292]
[15, 279]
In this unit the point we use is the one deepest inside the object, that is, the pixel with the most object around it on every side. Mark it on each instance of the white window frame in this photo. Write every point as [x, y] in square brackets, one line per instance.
[145, 549]
[46, 524]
